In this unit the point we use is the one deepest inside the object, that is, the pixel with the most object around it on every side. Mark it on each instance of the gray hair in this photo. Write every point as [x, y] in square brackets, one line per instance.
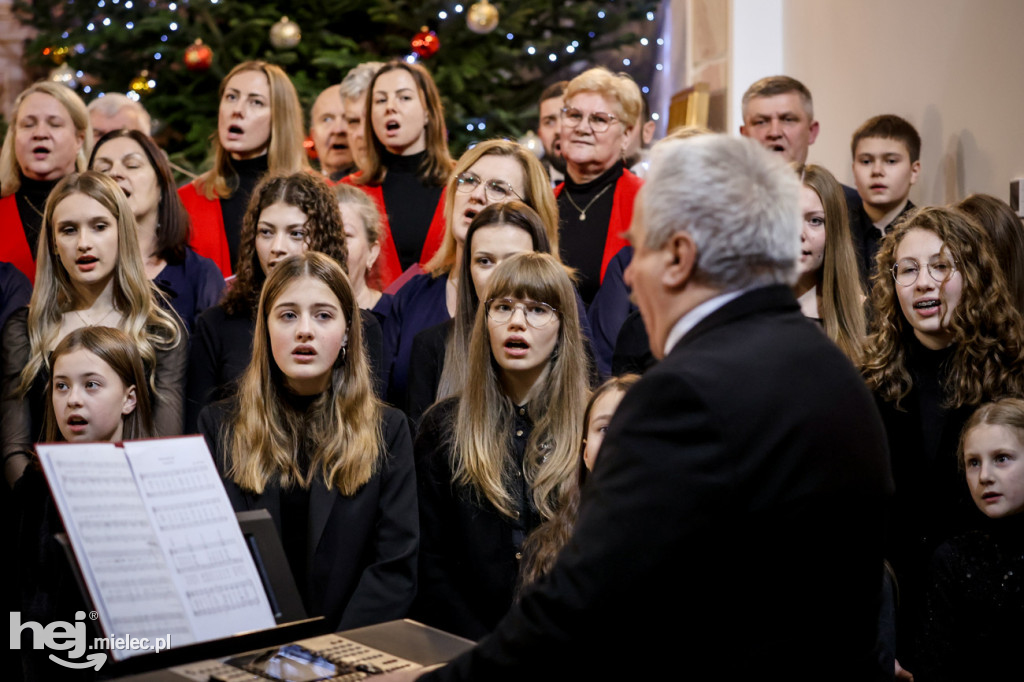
[355, 82]
[113, 102]
[738, 201]
[770, 86]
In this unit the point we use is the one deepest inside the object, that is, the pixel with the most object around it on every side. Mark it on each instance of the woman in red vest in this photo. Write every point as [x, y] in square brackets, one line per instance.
[407, 164]
[259, 130]
[46, 140]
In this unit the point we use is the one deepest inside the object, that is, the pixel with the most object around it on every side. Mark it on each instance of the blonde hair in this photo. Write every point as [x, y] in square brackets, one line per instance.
[619, 88]
[1008, 412]
[10, 171]
[285, 153]
[842, 307]
[150, 326]
[483, 421]
[343, 433]
[539, 196]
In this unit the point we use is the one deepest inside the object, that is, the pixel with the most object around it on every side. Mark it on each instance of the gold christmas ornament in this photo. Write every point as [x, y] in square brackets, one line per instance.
[285, 34]
[142, 84]
[482, 17]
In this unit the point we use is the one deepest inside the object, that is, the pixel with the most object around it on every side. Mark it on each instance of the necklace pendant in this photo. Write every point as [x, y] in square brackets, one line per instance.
[583, 216]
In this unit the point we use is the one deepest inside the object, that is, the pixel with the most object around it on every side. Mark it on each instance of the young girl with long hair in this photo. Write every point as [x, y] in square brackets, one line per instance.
[946, 339]
[306, 438]
[437, 369]
[976, 589]
[493, 171]
[500, 459]
[89, 273]
[98, 392]
[259, 131]
[828, 285]
[288, 215]
[407, 163]
[192, 283]
[543, 545]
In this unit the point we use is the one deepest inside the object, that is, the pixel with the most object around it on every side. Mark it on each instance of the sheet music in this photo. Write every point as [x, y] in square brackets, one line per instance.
[210, 564]
[105, 519]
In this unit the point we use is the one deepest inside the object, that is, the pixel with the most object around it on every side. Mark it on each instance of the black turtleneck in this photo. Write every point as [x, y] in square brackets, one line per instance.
[582, 241]
[410, 204]
[294, 502]
[233, 208]
[31, 200]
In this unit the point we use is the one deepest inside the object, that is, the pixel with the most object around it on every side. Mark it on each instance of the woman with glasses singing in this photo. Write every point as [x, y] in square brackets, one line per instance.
[596, 200]
[947, 338]
[492, 172]
[495, 462]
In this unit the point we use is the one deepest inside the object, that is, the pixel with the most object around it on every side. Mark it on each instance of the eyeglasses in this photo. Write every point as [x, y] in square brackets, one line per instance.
[494, 190]
[599, 121]
[906, 271]
[537, 314]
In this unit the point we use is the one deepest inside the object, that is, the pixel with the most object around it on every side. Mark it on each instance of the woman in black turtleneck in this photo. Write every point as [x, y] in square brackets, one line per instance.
[946, 339]
[259, 130]
[45, 142]
[596, 200]
[407, 164]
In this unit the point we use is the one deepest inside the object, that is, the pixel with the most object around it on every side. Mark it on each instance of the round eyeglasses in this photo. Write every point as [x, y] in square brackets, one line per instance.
[495, 190]
[599, 121]
[907, 271]
[537, 313]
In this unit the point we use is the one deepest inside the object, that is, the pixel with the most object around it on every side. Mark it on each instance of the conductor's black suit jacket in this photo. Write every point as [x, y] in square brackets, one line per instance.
[733, 527]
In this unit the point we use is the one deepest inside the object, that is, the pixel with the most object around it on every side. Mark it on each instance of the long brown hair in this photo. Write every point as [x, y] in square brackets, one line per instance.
[113, 347]
[988, 332]
[285, 153]
[342, 428]
[484, 417]
[437, 164]
[542, 545]
[1006, 231]
[150, 326]
[842, 298]
[325, 232]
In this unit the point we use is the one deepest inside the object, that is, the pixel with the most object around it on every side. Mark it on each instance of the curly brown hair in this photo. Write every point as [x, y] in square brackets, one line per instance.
[310, 194]
[988, 332]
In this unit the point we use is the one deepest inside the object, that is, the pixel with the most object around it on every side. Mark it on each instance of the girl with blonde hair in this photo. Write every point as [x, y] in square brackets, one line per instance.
[259, 131]
[306, 438]
[89, 273]
[47, 139]
[495, 462]
[828, 284]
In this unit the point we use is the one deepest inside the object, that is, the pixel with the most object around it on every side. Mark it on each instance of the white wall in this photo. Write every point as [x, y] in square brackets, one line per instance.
[953, 68]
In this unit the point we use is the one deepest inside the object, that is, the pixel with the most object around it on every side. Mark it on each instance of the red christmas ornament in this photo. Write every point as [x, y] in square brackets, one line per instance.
[425, 43]
[198, 57]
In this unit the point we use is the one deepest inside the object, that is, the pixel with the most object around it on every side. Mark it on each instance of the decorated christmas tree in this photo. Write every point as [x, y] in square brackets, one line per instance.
[490, 61]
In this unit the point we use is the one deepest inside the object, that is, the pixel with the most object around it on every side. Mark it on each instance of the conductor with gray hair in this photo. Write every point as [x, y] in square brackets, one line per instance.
[732, 528]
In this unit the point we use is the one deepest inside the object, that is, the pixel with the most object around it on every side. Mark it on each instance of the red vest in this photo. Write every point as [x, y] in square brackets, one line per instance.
[14, 247]
[208, 236]
[387, 267]
[626, 189]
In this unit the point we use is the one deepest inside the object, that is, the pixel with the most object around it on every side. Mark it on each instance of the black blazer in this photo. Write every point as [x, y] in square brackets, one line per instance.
[361, 561]
[733, 527]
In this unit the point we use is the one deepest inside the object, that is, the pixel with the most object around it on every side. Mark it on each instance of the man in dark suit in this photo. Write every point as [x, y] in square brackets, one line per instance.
[733, 526]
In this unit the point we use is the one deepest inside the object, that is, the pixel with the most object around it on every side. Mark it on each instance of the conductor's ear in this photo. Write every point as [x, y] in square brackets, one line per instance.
[682, 260]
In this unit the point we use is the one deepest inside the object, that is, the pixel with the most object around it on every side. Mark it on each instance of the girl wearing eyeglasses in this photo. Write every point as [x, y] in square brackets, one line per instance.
[500, 459]
[492, 172]
[946, 339]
